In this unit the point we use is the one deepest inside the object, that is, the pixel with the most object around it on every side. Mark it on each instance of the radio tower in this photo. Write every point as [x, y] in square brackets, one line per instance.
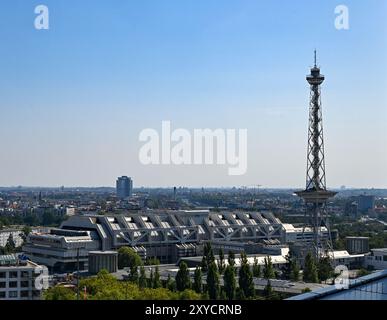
[316, 194]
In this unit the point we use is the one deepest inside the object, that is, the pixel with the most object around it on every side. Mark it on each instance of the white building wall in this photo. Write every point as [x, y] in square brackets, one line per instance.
[18, 283]
[377, 259]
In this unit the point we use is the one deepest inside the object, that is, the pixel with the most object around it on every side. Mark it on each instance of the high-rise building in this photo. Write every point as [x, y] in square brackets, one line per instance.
[124, 187]
[365, 203]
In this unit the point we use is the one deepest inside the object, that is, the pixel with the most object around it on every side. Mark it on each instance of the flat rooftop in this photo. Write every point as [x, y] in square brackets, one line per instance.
[369, 287]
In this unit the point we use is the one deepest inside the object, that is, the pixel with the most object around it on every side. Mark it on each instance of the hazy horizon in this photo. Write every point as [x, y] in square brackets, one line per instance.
[184, 186]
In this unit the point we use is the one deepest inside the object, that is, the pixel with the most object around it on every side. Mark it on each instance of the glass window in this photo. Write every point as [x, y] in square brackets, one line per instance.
[13, 274]
[24, 294]
[2, 295]
[12, 294]
[384, 258]
[13, 284]
[2, 274]
[25, 274]
[2, 284]
[24, 284]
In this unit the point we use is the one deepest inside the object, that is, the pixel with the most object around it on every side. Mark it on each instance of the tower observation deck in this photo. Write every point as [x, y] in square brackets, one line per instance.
[316, 194]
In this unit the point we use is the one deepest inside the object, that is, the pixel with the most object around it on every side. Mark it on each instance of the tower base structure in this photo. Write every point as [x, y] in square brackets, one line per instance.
[315, 210]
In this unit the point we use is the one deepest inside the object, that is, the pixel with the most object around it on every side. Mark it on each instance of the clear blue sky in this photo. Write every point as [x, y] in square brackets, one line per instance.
[74, 98]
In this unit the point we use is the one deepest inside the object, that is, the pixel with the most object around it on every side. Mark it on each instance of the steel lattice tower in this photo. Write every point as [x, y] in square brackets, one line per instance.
[316, 194]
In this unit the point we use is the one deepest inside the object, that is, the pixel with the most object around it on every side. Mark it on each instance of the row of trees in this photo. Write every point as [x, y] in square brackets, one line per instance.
[137, 285]
[316, 271]
[141, 285]
[106, 287]
[217, 270]
[48, 218]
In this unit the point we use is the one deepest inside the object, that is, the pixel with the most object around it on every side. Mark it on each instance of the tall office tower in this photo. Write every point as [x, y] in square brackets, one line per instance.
[316, 194]
[366, 203]
[124, 187]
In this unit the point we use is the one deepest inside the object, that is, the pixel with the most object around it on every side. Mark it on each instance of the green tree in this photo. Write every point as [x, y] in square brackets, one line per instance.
[183, 280]
[156, 279]
[150, 280]
[231, 258]
[208, 257]
[291, 269]
[10, 246]
[127, 257]
[295, 270]
[197, 285]
[31, 219]
[59, 293]
[142, 281]
[189, 295]
[246, 282]
[222, 295]
[268, 270]
[213, 281]
[133, 274]
[221, 264]
[170, 284]
[286, 268]
[204, 264]
[325, 269]
[310, 272]
[256, 268]
[229, 282]
[269, 293]
[106, 287]
[157, 294]
[240, 295]
[25, 232]
[152, 262]
[49, 218]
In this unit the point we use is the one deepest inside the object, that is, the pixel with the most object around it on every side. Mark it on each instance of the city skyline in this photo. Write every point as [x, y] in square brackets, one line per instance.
[76, 96]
